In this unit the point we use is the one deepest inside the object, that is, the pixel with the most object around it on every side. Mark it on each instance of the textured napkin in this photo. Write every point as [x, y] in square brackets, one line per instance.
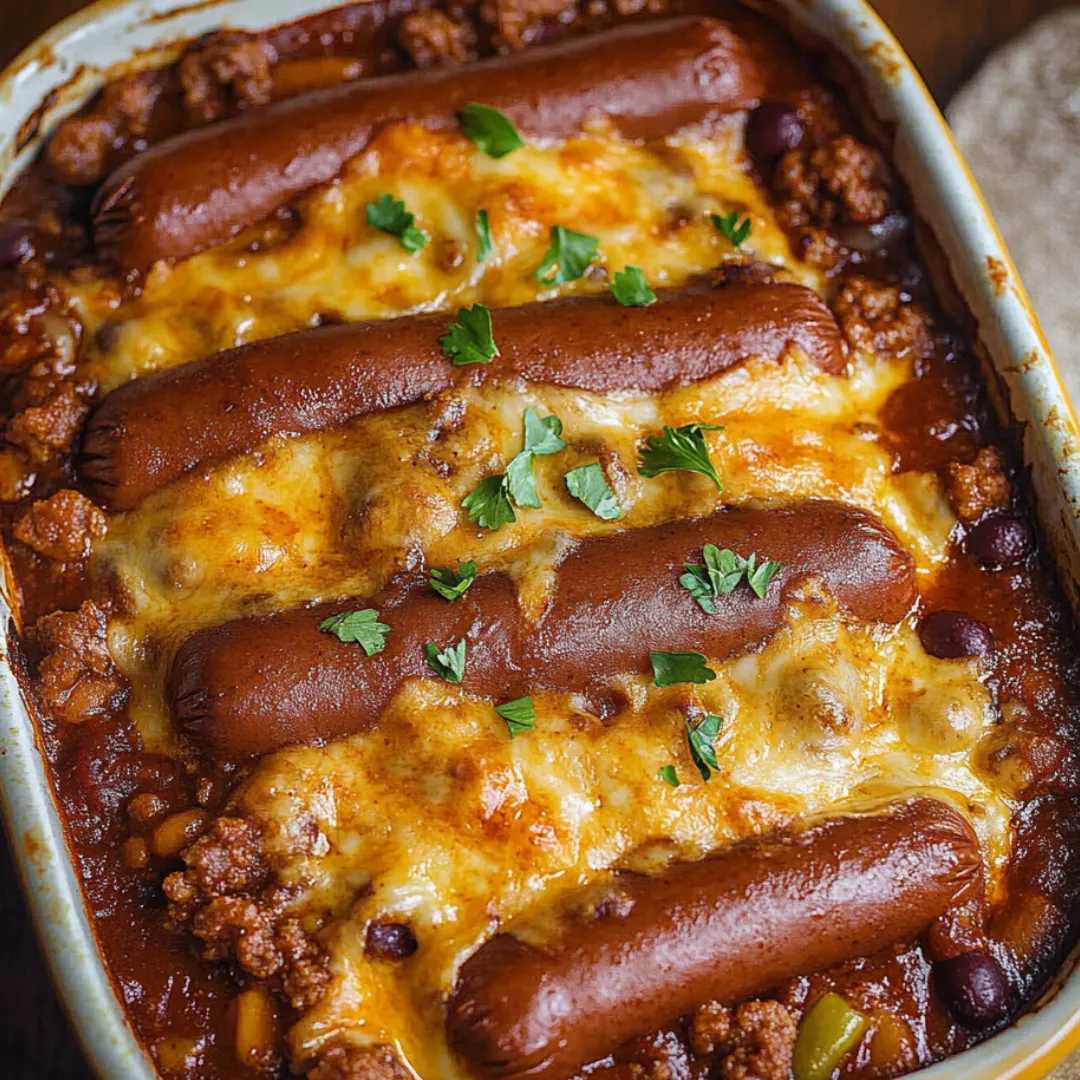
[1018, 123]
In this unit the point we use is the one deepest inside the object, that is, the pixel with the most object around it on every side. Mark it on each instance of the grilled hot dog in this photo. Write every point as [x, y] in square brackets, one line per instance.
[201, 187]
[621, 960]
[153, 430]
[262, 683]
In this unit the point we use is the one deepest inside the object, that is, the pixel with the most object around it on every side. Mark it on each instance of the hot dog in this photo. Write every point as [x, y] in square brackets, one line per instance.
[201, 187]
[261, 683]
[153, 430]
[621, 960]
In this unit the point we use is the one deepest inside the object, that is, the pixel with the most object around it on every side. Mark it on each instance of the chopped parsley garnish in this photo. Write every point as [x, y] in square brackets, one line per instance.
[729, 225]
[679, 448]
[672, 668]
[358, 628]
[484, 244]
[389, 215]
[448, 664]
[451, 585]
[470, 340]
[668, 774]
[702, 740]
[519, 714]
[489, 503]
[489, 129]
[723, 570]
[568, 254]
[631, 289]
[589, 484]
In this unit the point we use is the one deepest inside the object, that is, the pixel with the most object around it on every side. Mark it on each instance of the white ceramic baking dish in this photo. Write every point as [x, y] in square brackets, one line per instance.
[54, 75]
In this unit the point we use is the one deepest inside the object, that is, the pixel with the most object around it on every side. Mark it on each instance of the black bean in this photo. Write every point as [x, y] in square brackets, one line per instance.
[975, 989]
[952, 635]
[390, 940]
[772, 130]
[16, 241]
[1004, 540]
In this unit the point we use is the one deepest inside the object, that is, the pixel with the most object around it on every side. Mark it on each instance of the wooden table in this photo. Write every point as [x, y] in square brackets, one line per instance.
[947, 38]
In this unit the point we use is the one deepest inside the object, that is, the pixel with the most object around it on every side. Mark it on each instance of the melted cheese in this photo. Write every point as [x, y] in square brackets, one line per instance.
[438, 818]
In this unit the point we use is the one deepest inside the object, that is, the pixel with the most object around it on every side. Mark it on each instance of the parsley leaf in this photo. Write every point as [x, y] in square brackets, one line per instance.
[489, 504]
[631, 289]
[489, 129]
[702, 740]
[542, 433]
[448, 664]
[589, 484]
[668, 774]
[729, 225]
[484, 244]
[521, 482]
[389, 215]
[451, 585]
[519, 714]
[358, 627]
[672, 668]
[568, 254]
[679, 448]
[470, 340]
[723, 570]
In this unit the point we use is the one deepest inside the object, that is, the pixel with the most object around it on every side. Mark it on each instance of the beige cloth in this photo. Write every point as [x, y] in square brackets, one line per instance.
[1018, 123]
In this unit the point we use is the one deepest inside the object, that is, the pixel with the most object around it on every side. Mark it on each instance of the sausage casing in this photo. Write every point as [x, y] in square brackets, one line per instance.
[621, 960]
[261, 683]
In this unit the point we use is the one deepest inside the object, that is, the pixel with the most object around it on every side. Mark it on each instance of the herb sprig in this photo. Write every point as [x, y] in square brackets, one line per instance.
[729, 225]
[673, 668]
[358, 628]
[470, 339]
[452, 585]
[588, 483]
[631, 289]
[490, 130]
[702, 740]
[682, 448]
[722, 572]
[389, 215]
[519, 715]
[569, 254]
[448, 664]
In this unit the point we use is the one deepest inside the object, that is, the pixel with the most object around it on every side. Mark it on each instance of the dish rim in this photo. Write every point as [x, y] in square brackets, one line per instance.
[945, 194]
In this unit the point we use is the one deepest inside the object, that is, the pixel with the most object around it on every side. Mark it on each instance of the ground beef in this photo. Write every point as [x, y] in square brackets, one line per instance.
[47, 430]
[976, 489]
[752, 1042]
[305, 974]
[357, 1063]
[227, 859]
[62, 527]
[16, 475]
[227, 71]
[520, 23]
[432, 37]
[236, 926]
[77, 679]
[881, 319]
[23, 336]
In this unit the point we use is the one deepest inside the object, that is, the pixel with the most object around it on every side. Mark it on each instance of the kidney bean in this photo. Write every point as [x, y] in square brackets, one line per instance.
[952, 635]
[975, 989]
[1001, 541]
[16, 241]
[772, 130]
[390, 941]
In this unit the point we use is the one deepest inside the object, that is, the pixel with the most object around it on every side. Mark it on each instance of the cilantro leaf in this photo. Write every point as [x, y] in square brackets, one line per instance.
[451, 585]
[470, 340]
[519, 714]
[672, 668]
[679, 448]
[568, 254]
[723, 570]
[631, 289]
[542, 433]
[489, 505]
[389, 215]
[702, 740]
[729, 225]
[358, 627]
[521, 482]
[589, 484]
[448, 664]
[484, 244]
[668, 774]
[489, 129]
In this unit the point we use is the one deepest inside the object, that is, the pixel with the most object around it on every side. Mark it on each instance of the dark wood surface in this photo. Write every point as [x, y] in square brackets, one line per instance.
[947, 38]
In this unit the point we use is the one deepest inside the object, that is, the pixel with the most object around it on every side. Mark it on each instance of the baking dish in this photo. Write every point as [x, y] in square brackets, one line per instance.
[53, 71]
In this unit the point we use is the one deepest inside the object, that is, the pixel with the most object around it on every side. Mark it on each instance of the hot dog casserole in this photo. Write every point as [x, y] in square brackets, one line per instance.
[518, 574]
